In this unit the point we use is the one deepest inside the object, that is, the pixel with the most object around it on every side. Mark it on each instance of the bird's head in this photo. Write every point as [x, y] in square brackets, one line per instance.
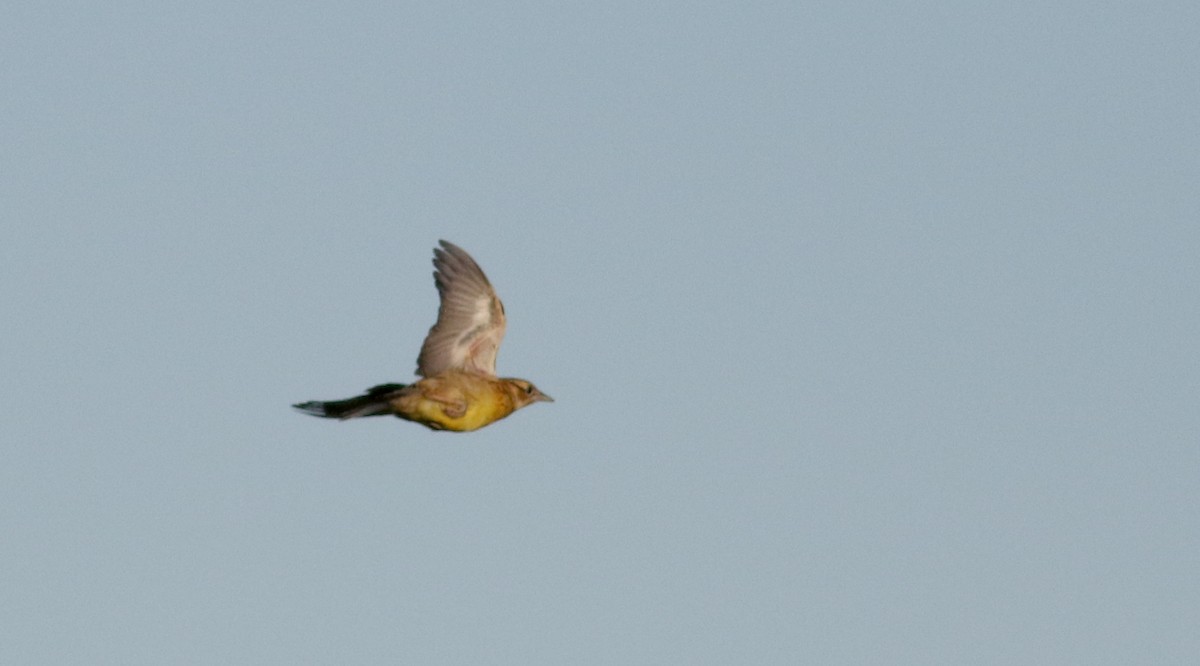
[525, 393]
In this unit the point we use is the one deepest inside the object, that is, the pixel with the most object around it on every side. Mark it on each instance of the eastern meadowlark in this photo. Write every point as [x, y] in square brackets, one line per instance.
[459, 389]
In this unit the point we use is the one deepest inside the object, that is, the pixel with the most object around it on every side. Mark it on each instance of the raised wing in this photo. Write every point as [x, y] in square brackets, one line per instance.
[470, 323]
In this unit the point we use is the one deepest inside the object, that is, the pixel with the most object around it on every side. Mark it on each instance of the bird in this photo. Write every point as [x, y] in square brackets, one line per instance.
[458, 390]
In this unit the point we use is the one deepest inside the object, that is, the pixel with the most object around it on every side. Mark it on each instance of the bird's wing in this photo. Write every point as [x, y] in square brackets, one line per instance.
[470, 323]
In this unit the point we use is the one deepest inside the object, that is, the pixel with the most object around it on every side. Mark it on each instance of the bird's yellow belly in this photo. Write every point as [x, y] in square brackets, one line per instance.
[477, 415]
[484, 404]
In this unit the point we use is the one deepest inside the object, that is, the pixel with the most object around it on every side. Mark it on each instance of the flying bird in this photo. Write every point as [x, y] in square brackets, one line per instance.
[459, 389]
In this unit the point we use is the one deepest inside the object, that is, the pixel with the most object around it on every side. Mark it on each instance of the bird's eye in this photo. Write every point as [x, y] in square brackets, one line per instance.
[529, 390]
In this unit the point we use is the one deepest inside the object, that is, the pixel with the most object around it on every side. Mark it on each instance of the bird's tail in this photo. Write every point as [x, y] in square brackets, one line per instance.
[373, 403]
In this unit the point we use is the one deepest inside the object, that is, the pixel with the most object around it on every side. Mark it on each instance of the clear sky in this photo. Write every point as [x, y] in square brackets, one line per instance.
[874, 330]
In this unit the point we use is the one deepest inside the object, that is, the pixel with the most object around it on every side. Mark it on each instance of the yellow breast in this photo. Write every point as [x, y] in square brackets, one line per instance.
[439, 402]
[479, 413]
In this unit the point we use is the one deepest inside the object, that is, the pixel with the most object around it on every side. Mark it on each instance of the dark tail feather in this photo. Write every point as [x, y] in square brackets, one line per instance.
[373, 403]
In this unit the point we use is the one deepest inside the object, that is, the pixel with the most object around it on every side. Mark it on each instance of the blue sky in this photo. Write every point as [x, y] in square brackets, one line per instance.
[872, 329]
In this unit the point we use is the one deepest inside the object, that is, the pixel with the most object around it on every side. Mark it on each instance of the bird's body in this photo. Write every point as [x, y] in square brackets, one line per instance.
[459, 390]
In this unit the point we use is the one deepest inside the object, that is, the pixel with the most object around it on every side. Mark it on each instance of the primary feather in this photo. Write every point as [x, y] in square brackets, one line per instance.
[470, 323]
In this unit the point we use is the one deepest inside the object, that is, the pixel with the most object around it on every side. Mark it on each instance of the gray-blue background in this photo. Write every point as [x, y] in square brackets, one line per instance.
[873, 329]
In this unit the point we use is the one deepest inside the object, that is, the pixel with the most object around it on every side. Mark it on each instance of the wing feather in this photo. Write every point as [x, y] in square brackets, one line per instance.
[470, 323]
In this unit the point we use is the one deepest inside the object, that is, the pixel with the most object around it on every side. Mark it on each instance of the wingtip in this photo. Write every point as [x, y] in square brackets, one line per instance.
[443, 253]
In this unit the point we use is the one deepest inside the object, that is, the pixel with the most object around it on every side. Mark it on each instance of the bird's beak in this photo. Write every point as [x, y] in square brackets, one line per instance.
[542, 397]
